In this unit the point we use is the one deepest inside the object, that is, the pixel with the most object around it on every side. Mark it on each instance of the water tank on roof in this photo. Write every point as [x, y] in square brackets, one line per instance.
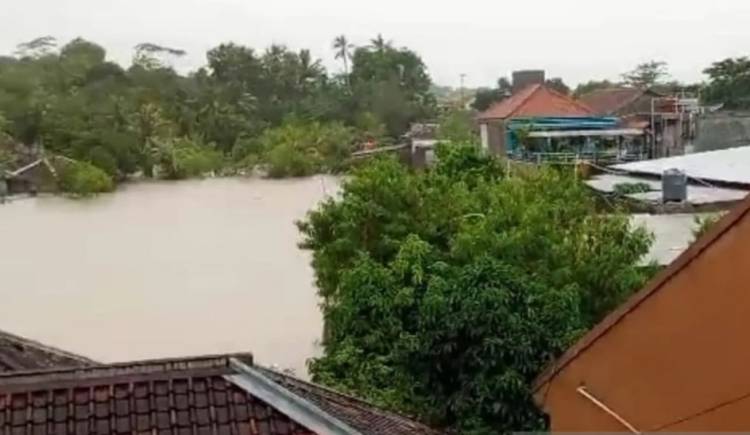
[674, 186]
[524, 78]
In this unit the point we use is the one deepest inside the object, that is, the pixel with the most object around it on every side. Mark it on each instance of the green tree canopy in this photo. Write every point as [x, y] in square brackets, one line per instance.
[647, 74]
[729, 83]
[591, 86]
[446, 292]
[485, 98]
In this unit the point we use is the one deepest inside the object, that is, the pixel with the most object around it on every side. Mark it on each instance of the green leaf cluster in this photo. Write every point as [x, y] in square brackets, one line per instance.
[84, 179]
[446, 292]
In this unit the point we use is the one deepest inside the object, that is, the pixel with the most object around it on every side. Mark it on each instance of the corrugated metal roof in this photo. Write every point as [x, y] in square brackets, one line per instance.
[723, 166]
[536, 100]
[697, 195]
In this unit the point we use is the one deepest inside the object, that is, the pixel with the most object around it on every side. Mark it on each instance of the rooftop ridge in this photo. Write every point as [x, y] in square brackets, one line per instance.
[23, 341]
[145, 367]
[342, 398]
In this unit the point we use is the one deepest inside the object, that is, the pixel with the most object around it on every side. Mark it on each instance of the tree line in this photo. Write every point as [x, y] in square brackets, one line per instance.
[277, 107]
[728, 83]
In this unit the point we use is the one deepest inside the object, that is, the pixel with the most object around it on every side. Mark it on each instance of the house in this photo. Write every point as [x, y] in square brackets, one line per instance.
[18, 353]
[59, 393]
[668, 122]
[535, 100]
[673, 358]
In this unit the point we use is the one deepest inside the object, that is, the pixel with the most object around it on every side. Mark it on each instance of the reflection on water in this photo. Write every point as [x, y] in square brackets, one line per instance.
[165, 269]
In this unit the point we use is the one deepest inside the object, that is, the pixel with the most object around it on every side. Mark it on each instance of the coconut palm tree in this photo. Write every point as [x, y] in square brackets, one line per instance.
[380, 44]
[344, 52]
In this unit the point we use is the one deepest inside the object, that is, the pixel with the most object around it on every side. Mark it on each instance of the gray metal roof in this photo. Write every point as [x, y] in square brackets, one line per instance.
[697, 194]
[727, 166]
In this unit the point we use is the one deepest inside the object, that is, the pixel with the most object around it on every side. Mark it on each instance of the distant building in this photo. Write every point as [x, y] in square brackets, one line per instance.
[673, 357]
[533, 101]
[668, 121]
[37, 176]
[60, 393]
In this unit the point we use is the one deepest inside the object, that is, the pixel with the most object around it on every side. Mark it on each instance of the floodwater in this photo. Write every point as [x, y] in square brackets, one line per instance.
[165, 269]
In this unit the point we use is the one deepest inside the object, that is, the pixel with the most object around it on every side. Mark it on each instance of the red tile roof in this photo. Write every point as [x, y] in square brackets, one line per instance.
[610, 101]
[350, 409]
[18, 353]
[205, 395]
[536, 100]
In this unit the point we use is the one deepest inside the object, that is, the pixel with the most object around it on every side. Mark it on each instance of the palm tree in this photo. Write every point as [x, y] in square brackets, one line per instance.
[309, 69]
[380, 44]
[344, 52]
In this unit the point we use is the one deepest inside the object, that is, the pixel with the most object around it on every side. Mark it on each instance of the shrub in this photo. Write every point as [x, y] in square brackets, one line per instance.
[186, 158]
[102, 159]
[704, 223]
[458, 126]
[297, 148]
[84, 179]
[631, 188]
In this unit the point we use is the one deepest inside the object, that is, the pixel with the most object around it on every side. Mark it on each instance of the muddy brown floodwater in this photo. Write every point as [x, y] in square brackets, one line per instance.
[165, 269]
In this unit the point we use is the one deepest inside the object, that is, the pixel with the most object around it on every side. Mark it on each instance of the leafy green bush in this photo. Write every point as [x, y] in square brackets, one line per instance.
[84, 179]
[102, 159]
[704, 223]
[631, 188]
[458, 126]
[186, 158]
[446, 292]
[298, 148]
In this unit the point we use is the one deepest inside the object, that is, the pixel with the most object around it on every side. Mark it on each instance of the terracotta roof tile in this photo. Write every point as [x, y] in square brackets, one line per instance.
[18, 353]
[181, 396]
[610, 101]
[536, 100]
[355, 412]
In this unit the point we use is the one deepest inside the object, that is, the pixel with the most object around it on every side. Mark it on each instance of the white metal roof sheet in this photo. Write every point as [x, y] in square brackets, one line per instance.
[730, 165]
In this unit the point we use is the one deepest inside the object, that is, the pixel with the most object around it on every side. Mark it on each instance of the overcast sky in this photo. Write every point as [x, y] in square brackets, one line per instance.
[576, 40]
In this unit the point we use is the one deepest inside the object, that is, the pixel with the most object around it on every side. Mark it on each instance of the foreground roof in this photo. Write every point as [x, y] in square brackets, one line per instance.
[652, 288]
[205, 395]
[18, 353]
[533, 101]
[730, 166]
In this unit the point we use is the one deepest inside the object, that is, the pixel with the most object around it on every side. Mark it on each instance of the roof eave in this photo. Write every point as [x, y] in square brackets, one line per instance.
[297, 408]
[603, 327]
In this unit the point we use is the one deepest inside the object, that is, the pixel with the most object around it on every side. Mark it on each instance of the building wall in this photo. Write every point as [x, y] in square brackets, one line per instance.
[671, 361]
[722, 130]
[493, 134]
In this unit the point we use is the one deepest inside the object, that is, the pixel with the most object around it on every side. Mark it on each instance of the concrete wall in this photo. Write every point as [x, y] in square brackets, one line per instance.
[722, 130]
[494, 137]
[673, 361]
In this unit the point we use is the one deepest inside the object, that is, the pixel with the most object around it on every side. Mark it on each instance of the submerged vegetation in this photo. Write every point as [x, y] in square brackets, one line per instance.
[274, 108]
